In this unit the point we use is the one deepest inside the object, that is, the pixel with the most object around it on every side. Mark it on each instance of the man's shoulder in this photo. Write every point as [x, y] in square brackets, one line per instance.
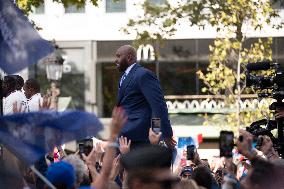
[20, 95]
[36, 97]
[13, 97]
[143, 71]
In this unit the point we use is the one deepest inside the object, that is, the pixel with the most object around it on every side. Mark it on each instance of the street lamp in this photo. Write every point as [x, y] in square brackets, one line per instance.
[54, 68]
[54, 64]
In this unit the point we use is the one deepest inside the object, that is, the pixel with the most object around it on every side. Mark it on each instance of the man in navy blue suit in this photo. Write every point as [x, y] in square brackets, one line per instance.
[141, 96]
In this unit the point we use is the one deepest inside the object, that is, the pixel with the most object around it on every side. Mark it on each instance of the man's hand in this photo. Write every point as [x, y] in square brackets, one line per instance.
[17, 109]
[91, 163]
[170, 142]
[244, 144]
[267, 148]
[98, 151]
[46, 102]
[196, 159]
[153, 137]
[229, 166]
[124, 146]
[115, 168]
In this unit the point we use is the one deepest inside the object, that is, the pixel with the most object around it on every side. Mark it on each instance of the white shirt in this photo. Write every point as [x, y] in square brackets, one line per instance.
[126, 73]
[16, 96]
[129, 69]
[34, 102]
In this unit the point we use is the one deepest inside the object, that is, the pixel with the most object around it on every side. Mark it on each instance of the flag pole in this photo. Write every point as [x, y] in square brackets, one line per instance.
[1, 93]
[42, 177]
[1, 112]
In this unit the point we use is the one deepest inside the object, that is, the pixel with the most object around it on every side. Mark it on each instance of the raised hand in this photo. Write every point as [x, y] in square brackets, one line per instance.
[119, 118]
[46, 102]
[124, 146]
[244, 144]
[170, 142]
[91, 163]
[153, 137]
[98, 151]
[267, 148]
[17, 109]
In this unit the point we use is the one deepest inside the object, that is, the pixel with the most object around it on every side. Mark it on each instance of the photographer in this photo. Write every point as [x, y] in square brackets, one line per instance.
[263, 174]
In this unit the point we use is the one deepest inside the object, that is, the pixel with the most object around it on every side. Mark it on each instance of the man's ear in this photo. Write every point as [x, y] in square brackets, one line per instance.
[129, 58]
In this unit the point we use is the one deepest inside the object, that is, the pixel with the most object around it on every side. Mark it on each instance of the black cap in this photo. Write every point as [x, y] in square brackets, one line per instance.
[151, 156]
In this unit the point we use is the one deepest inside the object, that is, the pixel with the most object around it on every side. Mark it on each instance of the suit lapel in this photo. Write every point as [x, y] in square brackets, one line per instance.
[126, 82]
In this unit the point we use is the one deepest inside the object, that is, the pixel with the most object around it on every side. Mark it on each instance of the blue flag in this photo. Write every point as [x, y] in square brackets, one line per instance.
[20, 44]
[31, 135]
[185, 141]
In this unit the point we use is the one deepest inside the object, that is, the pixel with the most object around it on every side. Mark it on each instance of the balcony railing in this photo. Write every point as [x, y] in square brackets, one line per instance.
[212, 104]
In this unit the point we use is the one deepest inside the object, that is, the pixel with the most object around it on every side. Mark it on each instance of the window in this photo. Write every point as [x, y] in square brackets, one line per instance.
[115, 6]
[157, 2]
[39, 9]
[74, 9]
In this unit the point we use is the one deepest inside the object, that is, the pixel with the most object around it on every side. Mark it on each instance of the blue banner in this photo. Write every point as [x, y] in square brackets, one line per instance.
[20, 44]
[31, 135]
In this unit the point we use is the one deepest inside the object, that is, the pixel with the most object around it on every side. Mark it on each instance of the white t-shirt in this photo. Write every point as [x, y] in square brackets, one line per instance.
[33, 102]
[16, 96]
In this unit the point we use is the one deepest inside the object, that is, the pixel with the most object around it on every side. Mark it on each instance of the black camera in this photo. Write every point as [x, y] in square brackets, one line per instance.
[260, 128]
[270, 86]
[274, 82]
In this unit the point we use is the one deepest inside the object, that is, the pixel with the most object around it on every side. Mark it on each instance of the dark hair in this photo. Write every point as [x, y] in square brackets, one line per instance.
[202, 177]
[9, 85]
[266, 174]
[150, 156]
[19, 81]
[33, 84]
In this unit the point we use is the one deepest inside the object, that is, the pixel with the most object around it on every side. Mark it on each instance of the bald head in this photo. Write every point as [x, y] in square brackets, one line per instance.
[129, 50]
[125, 56]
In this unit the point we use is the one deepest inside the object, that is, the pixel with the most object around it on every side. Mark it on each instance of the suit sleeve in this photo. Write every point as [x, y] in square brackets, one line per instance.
[150, 87]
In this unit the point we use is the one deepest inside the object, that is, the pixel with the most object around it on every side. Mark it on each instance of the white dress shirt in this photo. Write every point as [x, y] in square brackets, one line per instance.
[125, 74]
[15, 96]
[34, 102]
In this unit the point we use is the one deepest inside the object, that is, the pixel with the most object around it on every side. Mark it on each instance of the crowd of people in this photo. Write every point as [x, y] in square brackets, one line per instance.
[114, 164]
[135, 156]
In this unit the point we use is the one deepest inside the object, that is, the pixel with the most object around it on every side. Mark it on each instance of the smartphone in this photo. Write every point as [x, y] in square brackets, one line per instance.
[190, 152]
[85, 146]
[81, 148]
[156, 125]
[226, 143]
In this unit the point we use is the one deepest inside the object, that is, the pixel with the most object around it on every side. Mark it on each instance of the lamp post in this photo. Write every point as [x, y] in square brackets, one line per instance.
[54, 69]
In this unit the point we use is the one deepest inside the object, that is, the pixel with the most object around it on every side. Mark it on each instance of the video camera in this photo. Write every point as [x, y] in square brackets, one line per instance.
[263, 127]
[270, 86]
[275, 82]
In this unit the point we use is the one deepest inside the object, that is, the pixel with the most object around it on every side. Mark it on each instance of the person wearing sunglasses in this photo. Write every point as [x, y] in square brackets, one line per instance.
[186, 173]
